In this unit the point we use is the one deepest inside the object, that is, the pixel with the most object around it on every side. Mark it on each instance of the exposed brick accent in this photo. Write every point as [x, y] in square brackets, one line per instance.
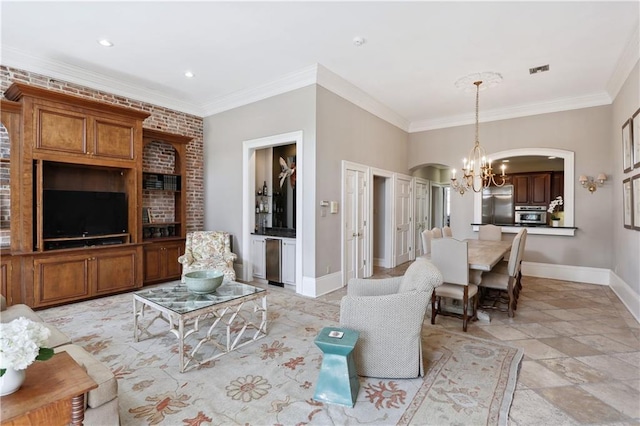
[161, 119]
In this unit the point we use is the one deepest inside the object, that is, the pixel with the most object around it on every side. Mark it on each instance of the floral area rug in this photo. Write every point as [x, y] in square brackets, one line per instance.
[271, 381]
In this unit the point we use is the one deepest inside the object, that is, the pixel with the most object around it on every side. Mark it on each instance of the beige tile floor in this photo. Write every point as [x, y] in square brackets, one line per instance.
[581, 346]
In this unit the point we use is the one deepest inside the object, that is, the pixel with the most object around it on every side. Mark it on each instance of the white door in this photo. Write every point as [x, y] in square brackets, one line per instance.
[258, 249]
[354, 224]
[421, 216]
[403, 207]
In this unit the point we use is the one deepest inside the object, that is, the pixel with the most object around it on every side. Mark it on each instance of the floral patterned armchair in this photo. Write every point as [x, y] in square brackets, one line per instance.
[208, 250]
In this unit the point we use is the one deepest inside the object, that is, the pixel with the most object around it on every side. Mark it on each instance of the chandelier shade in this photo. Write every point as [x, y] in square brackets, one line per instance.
[477, 172]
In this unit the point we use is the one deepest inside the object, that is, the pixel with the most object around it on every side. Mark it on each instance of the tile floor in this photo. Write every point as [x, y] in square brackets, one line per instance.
[581, 346]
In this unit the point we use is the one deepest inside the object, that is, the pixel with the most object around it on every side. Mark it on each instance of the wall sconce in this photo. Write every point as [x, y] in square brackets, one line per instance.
[592, 184]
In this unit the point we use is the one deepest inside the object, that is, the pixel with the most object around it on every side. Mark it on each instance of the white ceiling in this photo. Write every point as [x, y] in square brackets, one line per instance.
[404, 72]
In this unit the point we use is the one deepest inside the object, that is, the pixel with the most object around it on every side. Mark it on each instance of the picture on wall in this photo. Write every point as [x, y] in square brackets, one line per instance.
[635, 137]
[635, 200]
[626, 203]
[627, 160]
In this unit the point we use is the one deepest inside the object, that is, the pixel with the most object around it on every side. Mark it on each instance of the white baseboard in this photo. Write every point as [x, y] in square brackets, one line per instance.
[583, 274]
[625, 293]
[315, 287]
[381, 262]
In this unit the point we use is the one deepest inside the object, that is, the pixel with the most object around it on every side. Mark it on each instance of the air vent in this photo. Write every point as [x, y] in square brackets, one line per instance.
[541, 68]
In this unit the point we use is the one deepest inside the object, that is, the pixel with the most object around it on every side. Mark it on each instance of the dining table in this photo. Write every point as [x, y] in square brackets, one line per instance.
[483, 255]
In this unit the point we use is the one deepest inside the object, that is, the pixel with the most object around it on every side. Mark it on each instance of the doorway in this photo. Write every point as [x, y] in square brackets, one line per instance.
[382, 220]
[249, 148]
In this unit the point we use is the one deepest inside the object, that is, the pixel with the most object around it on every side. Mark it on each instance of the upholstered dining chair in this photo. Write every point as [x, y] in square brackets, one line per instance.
[427, 236]
[437, 232]
[502, 282]
[490, 233]
[208, 250]
[389, 314]
[446, 232]
[450, 256]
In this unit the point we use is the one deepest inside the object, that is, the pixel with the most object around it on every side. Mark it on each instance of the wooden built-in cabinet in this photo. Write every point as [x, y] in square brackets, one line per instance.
[67, 143]
[161, 261]
[164, 234]
[71, 276]
[6, 269]
[532, 189]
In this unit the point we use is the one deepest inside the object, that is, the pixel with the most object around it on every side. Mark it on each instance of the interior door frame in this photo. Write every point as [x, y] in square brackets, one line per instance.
[347, 165]
[427, 183]
[389, 214]
[411, 179]
[248, 198]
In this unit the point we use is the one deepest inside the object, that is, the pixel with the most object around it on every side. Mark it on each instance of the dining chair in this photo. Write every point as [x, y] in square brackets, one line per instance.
[427, 236]
[490, 233]
[437, 232]
[446, 232]
[450, 256]
[503, 282]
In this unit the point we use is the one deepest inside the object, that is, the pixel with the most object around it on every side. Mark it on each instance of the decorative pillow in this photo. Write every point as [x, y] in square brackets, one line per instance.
[421, 275]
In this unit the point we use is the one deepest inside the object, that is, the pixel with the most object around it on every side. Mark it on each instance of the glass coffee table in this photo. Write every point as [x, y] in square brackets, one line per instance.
[225, 316]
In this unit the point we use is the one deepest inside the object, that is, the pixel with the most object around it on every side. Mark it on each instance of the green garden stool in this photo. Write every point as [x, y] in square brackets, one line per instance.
[338, 381]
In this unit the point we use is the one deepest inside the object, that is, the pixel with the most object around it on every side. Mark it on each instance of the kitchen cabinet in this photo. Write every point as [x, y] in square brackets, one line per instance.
[557, 185]
[258, 256]
[289, 261]
[69, 277]
[161, 261]
[532, 189]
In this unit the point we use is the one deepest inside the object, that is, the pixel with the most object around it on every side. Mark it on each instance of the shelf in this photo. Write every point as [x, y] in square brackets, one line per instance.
[160, 224]
[161, 182]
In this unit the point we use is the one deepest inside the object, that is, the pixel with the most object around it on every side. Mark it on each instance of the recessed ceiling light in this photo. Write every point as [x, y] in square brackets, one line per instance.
[505, 161]
[189, 74]
[551, 158]
[104, 42]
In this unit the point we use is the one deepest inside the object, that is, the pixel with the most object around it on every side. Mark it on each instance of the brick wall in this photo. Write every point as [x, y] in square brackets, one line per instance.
[161, 119]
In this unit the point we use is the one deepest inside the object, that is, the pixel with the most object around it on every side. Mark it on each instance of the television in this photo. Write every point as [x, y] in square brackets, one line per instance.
[68, 214]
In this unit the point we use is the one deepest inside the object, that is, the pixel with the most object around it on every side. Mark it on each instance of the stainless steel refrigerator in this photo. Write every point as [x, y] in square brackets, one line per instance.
[498, 205]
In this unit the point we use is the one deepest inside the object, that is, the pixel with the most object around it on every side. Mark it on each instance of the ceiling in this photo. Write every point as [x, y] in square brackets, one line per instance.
[404, 72]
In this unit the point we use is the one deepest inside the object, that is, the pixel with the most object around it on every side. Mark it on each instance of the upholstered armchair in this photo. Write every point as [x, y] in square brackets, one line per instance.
[389, 314]
[208, 250]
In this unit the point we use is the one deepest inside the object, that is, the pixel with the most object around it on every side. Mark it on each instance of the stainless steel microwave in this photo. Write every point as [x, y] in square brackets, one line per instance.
[531, 215]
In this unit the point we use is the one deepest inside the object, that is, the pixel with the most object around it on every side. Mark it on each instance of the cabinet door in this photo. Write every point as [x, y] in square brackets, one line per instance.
[557, 185]
[521, 189]
[113, 139]
[115, 270]
[258, 252]
[152, 263]
[540, 189]
[5, 277]
[289, 262]
[172, 252]
[61, 130]
[61, 279]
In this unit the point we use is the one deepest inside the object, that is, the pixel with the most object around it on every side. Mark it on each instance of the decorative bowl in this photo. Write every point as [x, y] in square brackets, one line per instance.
[203, 282]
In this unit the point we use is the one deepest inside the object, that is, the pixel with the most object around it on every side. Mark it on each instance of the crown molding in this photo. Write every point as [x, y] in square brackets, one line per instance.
[557, 105]
[628, 59]
[341, 87]
[289, 82]
[16, 58]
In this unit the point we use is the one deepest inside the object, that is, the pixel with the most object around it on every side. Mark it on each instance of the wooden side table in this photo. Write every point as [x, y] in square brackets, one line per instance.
[52, 394]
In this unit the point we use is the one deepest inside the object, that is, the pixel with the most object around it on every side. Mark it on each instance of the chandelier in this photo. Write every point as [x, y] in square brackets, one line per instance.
[477, 172]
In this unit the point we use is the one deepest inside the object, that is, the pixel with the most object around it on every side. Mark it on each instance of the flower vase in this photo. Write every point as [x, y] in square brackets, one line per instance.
[11, 381]
[555, 223]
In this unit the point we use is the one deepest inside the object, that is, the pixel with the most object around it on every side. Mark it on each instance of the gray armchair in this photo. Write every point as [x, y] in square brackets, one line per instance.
[389, 314]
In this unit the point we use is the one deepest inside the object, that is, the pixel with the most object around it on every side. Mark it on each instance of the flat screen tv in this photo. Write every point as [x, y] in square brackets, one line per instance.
[84, 213]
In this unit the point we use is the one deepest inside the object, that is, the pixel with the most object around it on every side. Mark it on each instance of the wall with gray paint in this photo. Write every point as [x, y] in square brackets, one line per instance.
[224, 134]
[347, 132]
[626, 242]
[586, 131]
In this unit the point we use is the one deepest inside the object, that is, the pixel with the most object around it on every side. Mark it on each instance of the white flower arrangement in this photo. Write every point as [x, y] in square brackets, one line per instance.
[21, 343]
[553, 205]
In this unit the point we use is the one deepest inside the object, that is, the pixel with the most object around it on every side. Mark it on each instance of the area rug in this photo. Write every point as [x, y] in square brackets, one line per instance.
[272, 381]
